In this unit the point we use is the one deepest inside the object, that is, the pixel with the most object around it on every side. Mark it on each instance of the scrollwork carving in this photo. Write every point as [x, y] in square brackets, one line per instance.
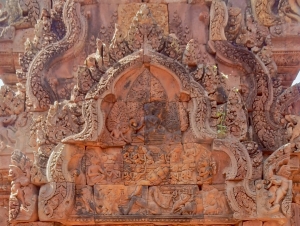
[218, 20]
[39, 96]
[56, 201]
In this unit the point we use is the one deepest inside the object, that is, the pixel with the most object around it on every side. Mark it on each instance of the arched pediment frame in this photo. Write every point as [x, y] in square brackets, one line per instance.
[188, 88]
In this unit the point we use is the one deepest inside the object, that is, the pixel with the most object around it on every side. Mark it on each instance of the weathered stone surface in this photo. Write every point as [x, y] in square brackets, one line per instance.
[157, 112]
[253, 223]
[126, 13]
[188, 20]
[165, 1]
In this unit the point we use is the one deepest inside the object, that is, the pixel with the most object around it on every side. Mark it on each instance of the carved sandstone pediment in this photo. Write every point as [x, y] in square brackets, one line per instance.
[155, 126]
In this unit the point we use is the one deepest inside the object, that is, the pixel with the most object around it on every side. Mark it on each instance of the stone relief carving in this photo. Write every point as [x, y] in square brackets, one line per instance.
[156, 127]
[16, 15]
[287, 11]
[233, 27]
[176, 27]
[23, 198]
[73, 40]
[276, 184]
[56, 200]
[218, 20]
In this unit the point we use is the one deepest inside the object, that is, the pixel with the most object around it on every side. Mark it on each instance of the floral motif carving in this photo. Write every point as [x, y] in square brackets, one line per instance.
[218, 20]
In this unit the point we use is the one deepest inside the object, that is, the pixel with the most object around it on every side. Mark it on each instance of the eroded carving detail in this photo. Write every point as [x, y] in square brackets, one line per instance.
[154, 128]
[23, 198]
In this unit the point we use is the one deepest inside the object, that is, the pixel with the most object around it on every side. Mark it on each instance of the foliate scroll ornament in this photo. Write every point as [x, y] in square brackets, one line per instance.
[260, 100]
[278, 88]
[63, 119]
[89, 113]
[241, 199]
[177, 28]
[256, 159]
[56, 201]
[241, 163]
[236, 117]
[269, 133]
[264, 12]
[144, 33]
[44, 35]
[25, 60]
[38, 140]
[118, 48]
[118, 124]
[83, 85]
[218, 20]
[266, 56]
[201, 111]
[144, 27]
[39, 98]
[65, 164]
[127, 13]
[23, 198]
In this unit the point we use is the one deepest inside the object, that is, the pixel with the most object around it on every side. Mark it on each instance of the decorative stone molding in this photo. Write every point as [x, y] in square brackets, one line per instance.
[133, 123]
